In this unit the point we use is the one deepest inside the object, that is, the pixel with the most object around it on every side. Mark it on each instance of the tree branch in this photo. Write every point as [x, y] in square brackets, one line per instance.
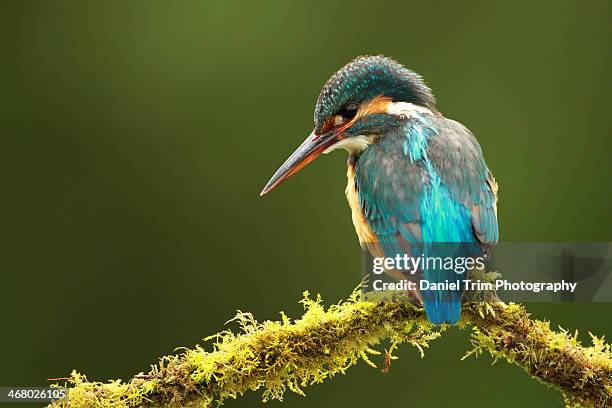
[285, 354]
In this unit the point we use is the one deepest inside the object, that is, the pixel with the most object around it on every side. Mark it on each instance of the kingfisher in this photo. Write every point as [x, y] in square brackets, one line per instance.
[417, 181]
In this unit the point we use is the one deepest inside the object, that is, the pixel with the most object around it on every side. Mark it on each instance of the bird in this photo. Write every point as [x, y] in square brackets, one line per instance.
[417, 180]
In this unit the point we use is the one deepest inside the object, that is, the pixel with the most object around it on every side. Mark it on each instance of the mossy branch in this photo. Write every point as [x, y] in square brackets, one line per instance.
[280, 355]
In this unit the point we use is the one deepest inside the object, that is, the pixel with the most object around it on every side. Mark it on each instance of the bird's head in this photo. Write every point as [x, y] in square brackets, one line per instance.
[354, 107]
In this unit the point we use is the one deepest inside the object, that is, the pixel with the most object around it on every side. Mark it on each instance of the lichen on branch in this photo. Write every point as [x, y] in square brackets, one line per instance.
[277, 356]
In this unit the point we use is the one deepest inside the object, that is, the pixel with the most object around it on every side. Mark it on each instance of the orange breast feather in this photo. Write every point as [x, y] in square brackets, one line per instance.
[367, 238]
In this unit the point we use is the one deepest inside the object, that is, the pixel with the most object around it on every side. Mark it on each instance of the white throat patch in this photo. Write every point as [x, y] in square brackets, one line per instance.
[353, 145]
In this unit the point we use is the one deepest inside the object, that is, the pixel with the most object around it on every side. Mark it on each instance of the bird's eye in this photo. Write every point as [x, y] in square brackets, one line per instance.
[348, 111]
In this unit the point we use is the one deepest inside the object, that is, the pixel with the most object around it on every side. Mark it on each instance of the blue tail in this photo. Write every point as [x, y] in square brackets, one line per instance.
[442, 306]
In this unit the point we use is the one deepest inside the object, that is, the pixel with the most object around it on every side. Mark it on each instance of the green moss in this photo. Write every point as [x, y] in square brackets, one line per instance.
[286, 355]
[555, 358]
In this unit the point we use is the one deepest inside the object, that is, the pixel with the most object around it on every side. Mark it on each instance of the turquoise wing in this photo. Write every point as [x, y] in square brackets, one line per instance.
[427, 181]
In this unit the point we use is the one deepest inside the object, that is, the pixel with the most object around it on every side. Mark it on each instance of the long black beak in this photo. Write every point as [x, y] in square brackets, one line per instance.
[307, 152]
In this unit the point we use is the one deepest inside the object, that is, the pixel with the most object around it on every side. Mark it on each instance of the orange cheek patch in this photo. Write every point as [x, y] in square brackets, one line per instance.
[378, 104]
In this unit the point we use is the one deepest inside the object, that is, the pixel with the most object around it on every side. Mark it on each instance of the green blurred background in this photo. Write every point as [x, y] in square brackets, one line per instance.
[137, 135]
